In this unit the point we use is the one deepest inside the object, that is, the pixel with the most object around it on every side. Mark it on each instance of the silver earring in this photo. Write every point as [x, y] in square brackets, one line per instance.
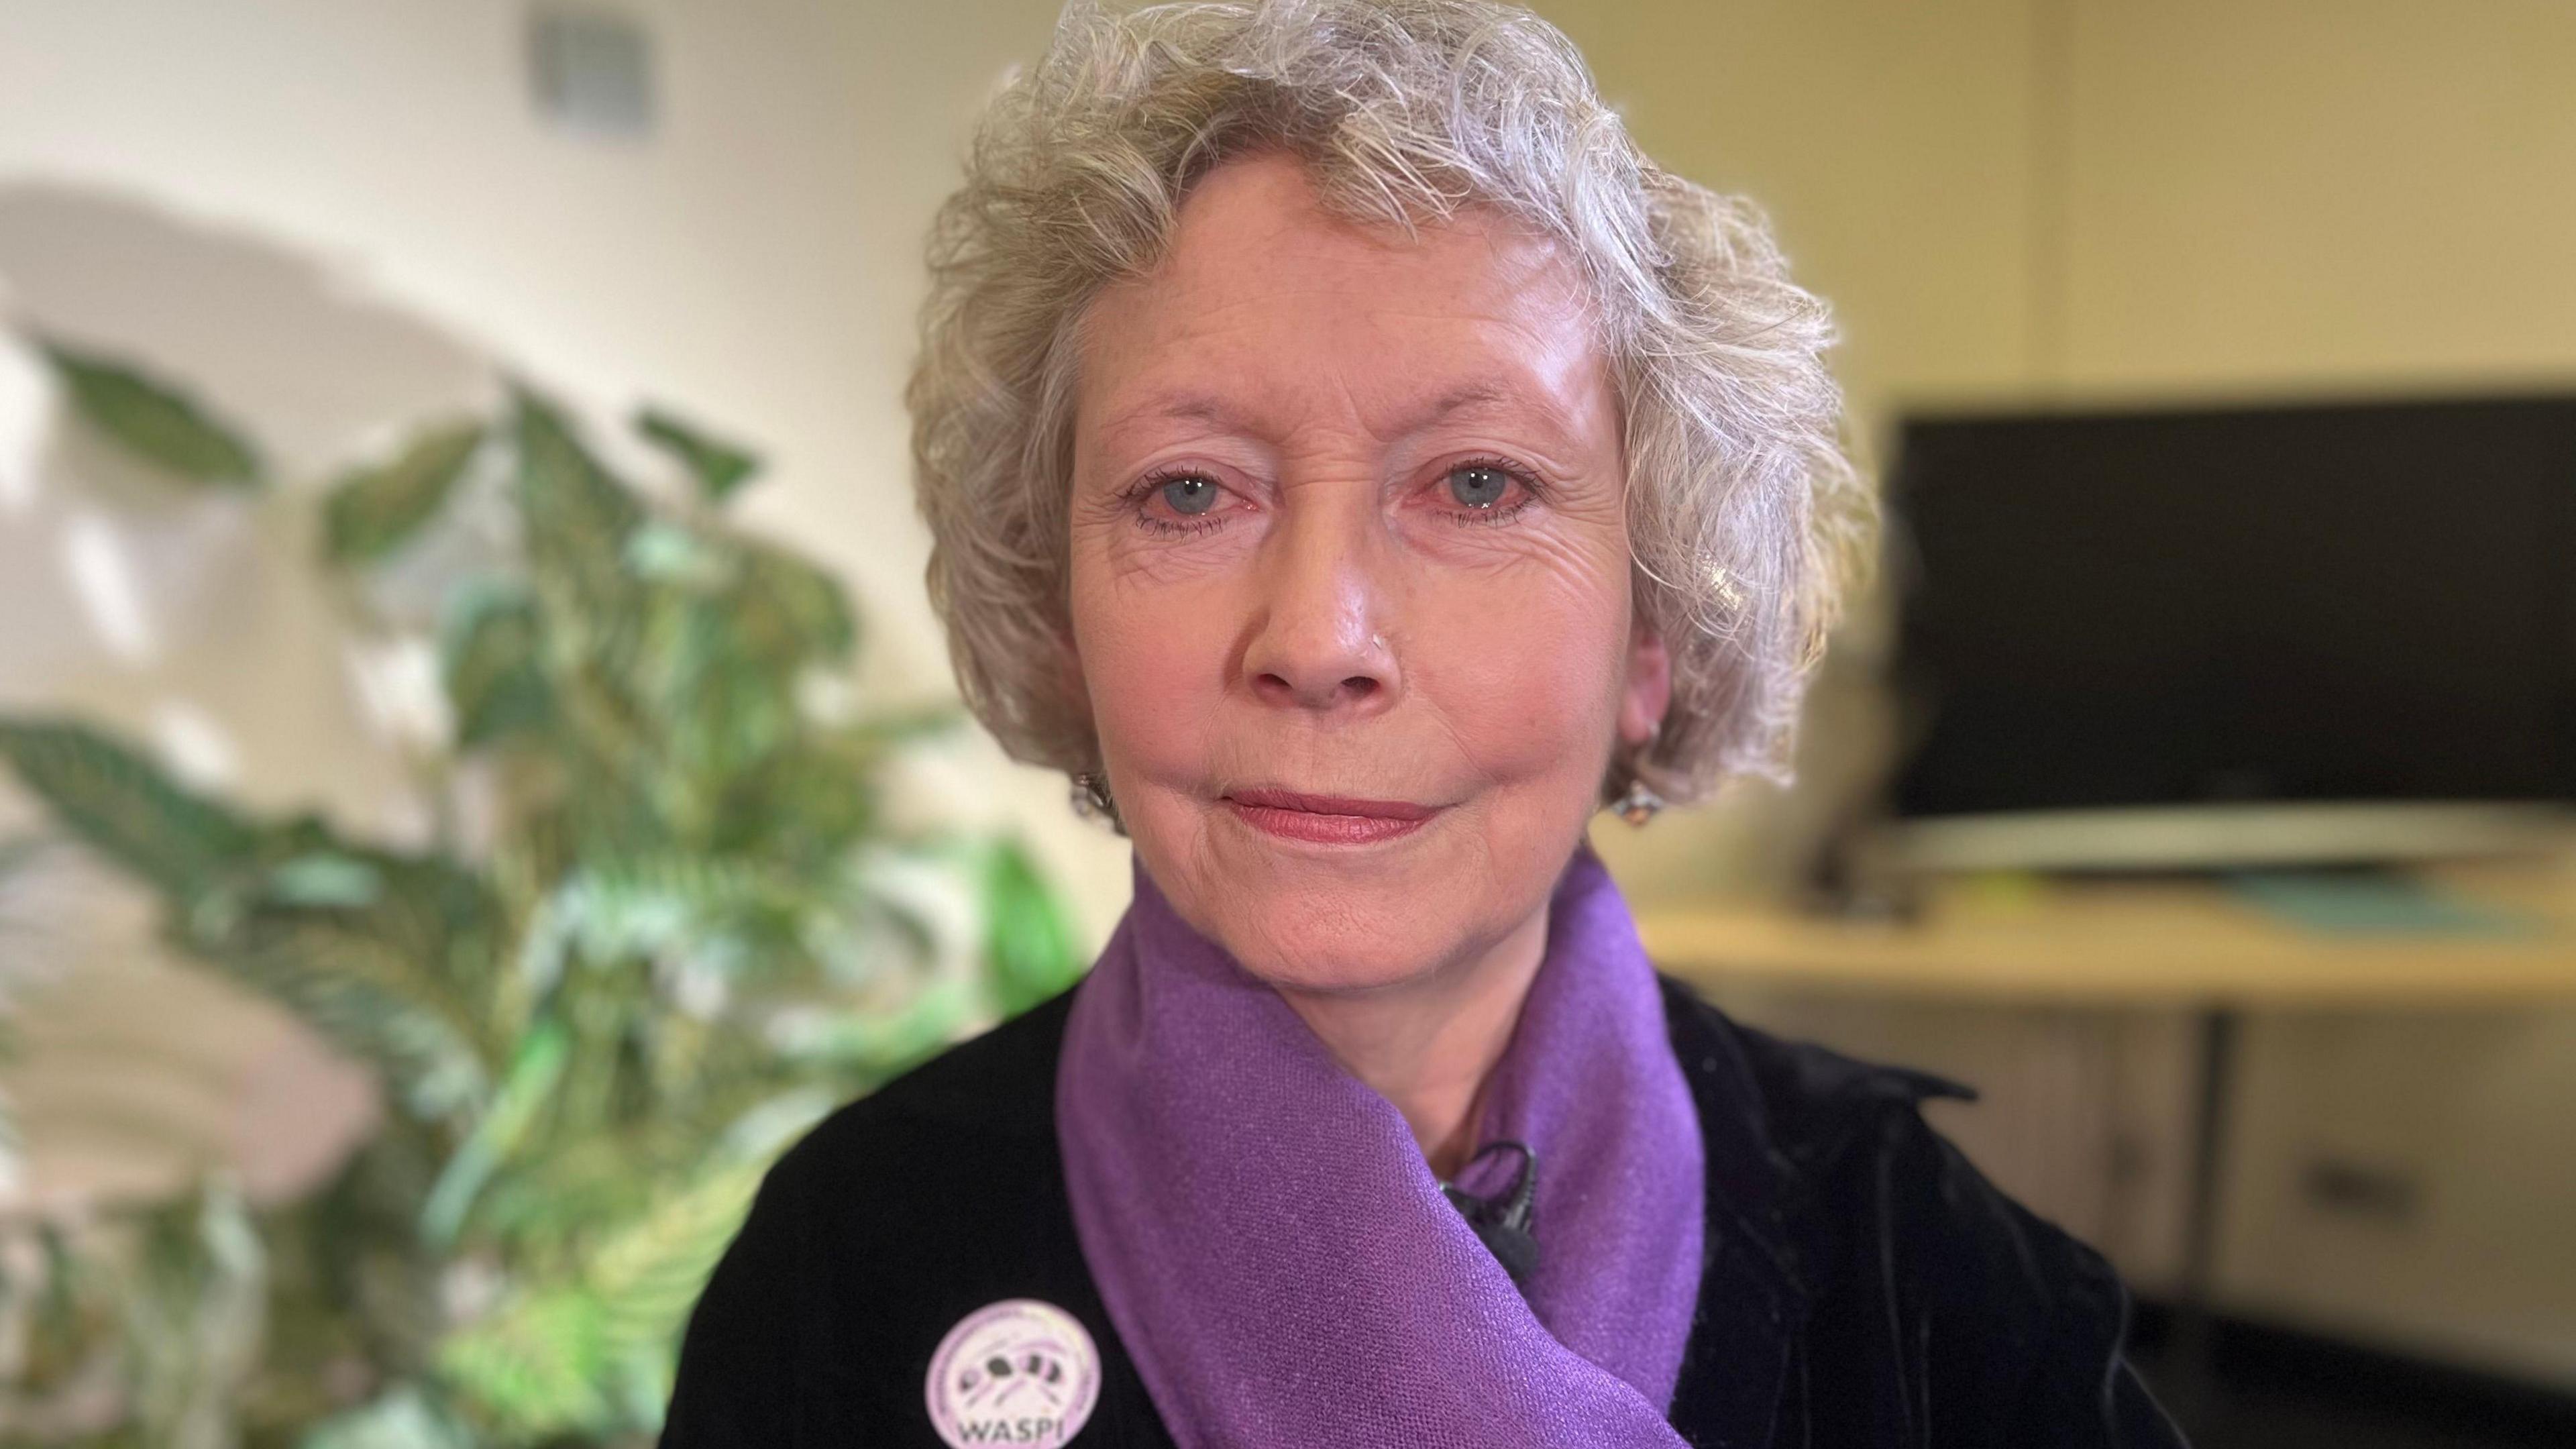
[1091, 798]
[1639, 805]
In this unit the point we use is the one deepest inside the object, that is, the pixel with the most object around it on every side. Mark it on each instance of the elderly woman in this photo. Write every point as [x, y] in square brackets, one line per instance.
[1355, 464]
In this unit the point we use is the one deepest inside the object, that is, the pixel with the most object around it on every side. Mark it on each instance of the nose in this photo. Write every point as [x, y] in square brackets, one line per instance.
[1319, 639]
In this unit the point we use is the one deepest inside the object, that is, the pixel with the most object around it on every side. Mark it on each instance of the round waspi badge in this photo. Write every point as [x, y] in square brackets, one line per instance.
[1014, 1372]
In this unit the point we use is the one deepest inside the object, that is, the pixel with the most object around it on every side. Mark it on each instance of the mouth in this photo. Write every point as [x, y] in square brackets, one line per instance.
[1327, 819]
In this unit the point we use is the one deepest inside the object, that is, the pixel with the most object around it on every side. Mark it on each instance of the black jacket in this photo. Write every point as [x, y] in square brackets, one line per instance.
[1864, 1285]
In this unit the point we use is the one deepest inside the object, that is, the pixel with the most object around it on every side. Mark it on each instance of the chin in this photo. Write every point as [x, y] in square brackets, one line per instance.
[1309, 919]
[1337, 940]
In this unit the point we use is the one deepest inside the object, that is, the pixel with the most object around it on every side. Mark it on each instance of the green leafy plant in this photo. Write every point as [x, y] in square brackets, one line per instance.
[687, 930]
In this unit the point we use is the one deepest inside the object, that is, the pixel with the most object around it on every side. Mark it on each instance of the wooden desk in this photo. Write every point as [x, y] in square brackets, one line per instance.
[2124, 943]
[2172, 944]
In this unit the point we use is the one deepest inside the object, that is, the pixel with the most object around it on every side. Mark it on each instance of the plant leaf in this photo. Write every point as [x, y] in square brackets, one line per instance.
[537, 1368]
[403, 1418]
[578, 516]
[154, 420]
[370, 982]
[495, 682]
[1028, 944]
[375, 510]
[195, 1287]
[534, 1070]
[126, 808]
[791, 611]
[548, 1361]
[718, 467]
[326, 878]
[358, 943]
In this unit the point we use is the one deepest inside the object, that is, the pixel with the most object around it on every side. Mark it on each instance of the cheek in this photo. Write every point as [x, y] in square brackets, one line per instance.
[1152, 657]
[1525, 663]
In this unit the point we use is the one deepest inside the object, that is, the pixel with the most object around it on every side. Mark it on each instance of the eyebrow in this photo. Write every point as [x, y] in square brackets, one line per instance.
[1188, 405]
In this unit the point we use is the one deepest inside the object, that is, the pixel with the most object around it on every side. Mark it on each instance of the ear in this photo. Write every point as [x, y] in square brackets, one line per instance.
[1649, 690]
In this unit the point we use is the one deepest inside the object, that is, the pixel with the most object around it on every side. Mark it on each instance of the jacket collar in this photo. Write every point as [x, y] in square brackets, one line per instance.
[1753, 1300]
[1769, 1126]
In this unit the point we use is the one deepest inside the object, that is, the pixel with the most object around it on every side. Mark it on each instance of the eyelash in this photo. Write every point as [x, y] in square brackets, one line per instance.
[1152, 483]
[1142, 493]
[1489, 518]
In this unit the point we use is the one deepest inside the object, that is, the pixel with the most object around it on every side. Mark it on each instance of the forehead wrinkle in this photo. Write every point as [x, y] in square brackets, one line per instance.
[1528, 376]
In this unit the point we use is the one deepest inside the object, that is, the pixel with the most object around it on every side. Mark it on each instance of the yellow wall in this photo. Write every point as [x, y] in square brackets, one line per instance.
[2339, 193]
[2064, 200]
[1886, 139]
[2008, 197]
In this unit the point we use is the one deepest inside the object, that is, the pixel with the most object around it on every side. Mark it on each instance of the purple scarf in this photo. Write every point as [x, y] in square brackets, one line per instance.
[1277, 1254]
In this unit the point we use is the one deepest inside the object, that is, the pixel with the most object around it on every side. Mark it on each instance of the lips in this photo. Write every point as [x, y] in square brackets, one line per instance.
[1327, 819]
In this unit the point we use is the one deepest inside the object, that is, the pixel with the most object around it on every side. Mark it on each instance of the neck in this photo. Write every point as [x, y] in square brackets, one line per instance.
[1429, 1043]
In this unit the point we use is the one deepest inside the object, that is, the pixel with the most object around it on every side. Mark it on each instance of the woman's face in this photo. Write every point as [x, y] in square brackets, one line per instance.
[1350, 579]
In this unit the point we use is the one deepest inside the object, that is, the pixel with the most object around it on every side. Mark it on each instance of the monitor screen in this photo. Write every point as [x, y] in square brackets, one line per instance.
[2299, 604]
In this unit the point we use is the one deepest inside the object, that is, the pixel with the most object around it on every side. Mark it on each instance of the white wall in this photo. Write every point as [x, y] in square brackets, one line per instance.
[336, 219]
[755, 262]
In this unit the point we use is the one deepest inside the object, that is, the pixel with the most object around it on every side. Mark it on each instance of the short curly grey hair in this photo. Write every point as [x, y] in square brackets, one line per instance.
[1746, 518]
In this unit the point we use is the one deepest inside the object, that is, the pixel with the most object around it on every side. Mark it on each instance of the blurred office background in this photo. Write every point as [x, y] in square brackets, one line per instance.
[2329, 1145]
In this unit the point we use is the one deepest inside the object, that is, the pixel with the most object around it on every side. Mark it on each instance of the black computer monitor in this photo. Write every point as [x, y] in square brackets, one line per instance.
[2349, 604]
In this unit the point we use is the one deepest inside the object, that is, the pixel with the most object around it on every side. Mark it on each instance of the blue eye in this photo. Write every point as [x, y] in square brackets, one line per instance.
[1478, 486]
[1189, 496]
